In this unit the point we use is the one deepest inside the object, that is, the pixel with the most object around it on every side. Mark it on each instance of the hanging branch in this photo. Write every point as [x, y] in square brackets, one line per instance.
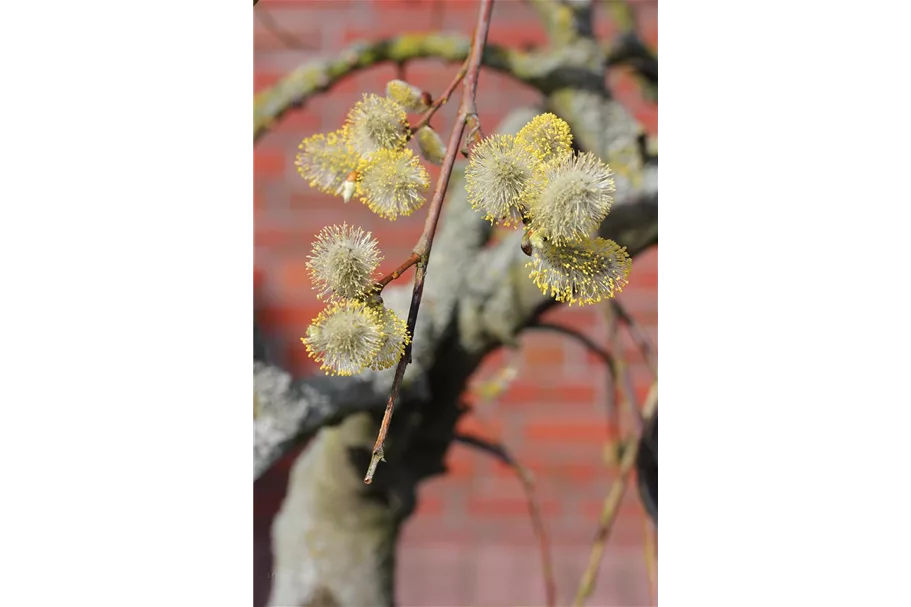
[467, 109]
[612, 506]
[528, 485]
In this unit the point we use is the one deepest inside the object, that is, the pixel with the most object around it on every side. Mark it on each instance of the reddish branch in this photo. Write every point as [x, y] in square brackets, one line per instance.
[534, 509]
[385, 280]
[650, 548]
[639, 337]
[467, 109]
[623, 378]
[442, 99]
[612, 504]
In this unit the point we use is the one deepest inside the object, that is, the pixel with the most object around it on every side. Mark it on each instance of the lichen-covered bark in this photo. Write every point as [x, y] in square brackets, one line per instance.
[333, 543]
[549, 69]
[319, 75]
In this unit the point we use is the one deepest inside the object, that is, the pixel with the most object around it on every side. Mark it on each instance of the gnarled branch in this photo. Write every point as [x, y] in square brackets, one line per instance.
[319, 75]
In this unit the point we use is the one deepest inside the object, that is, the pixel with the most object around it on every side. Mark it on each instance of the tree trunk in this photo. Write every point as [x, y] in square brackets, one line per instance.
[334, 539]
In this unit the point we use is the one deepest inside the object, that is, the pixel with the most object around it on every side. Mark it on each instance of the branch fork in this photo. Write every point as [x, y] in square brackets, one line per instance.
[468, 76]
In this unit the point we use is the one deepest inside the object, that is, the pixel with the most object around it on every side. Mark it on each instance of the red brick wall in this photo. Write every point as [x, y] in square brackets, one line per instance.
[471, 542]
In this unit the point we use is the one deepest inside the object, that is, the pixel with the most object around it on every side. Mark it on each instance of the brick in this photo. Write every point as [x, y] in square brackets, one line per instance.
[389, 19]
[509, 507]
[298, 361]
[301, 123]
[516, 35]
[647, 115]
[524, 392]
[278, 29]
[260, 202]
[630, 507]
[605, 29]
[458, 15]
[429, 505]
[263, 80]
[431, 76]
[326, 5]
[312, 200]
[278, 318]
[623, 83]
[544, 357]
[459, 463]
[294, 275]
[490, 429]
[544, 470]
[269, 238]
[541, 430]
[406, 5]
[647, 23]
[268, 162]
[588, 320]
[396, 240]
[372, 80]
[258, 278]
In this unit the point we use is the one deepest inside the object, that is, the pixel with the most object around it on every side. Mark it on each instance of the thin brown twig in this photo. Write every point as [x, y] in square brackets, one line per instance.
[425, 242]
[612, 507]
[385, 280]
[588, 342]
[442, 99]
[528, 485]
[650, 549]
[612, 445]
[626, 389]
[287, 38]
[640, 337]
[624, 377]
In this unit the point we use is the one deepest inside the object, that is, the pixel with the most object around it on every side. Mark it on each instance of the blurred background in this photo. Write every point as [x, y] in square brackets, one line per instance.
[471, 541]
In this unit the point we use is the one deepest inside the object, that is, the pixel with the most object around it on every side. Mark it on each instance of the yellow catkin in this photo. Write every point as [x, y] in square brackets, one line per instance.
[393, 183]
[583, 273]
[325, 160]
[408, 96]
[345, 337]
[395, 338]
[547, 136]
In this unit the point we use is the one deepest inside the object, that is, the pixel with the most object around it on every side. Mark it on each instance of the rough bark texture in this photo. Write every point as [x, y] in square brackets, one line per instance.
[334, 543]
[334, 539]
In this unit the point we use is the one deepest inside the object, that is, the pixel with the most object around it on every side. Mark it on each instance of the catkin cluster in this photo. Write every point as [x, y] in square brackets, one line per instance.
[355, 331]
[367, 157]
[534, 178]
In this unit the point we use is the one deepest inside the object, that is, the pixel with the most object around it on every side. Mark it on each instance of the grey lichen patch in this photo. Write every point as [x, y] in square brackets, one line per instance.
[452, 47]
[330, 540]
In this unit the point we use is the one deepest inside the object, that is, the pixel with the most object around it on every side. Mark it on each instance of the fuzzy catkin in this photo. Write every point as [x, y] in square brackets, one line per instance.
[342, 262]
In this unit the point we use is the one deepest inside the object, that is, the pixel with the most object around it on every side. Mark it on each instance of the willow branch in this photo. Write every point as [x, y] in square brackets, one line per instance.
[627, 47]
[442, 99]
[650, 548]
[287, 38]
[425, 242]
[385, 280]
[534, 509]
[639, 336]
[545, 70]
[624, 378]
[585, 340]
[612, 507]
[613, 447]
[319, 75]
